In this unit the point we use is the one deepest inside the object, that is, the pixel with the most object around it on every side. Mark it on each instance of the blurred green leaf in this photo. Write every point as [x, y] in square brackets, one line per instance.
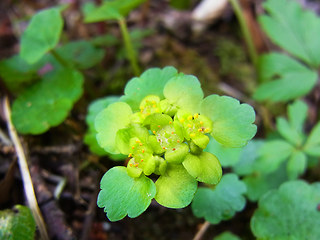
[297, 164]
[110, 10]
[291, 212]
[41, 35]
[82, 54]
[17, 224]
[123, 195]
[227, 236]
[221, 202]
[286, 26]
[47, 103]
[283, 78]
[312, 146]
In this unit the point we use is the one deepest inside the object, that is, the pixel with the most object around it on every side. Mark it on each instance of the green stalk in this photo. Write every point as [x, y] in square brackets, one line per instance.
[131, 54]
[245, 31]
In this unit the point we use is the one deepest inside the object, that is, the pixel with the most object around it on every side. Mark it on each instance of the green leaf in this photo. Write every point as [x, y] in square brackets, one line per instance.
[16, 72]
[288, 213]
[204, 167]
[259, 183]
[123, 195]
[312, 146]
[285, 25]
[184, 91]
[297, 164]
[272, 154]
[248, 157]
[111, 10]
[107, 123]
[151, 82]
[82, 54]
[47, 103]
[288, 132]
[17, 224]
[222, 202]
[227, 236]
[297, 113]
[176, 188]
[227, 156]
[90, 137]
[284, 78]
[232, 122]
[39, 38]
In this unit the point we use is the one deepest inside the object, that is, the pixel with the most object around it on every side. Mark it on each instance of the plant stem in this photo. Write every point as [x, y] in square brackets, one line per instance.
[25, 174]
[245, 31]
[204, 227]
[131, 54]
[59, 59]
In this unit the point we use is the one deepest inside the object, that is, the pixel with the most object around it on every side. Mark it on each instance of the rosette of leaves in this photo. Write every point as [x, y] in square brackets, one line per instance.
[163, 124]
[293, 147]
[289, 76]
[45, 99]
[291, 212]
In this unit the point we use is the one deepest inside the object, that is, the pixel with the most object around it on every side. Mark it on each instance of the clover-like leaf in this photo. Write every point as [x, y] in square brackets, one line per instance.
[184, 91]
[17, 224]
[123, 195]
[82, 54]
[90, 137]
[204, 167]
[175, 188]
[16, 72]
[292, 79]
[297, 114]
[111, 10]
[47, 103]
[291, 212]
[312, 146]
[227, 236]
[151, 82]
[38, 38]
[232, 122]
[272, 154]
[222, 202]
[296, 165]
[107, 123]
[227, 156]
[285, 25]
[288, 132]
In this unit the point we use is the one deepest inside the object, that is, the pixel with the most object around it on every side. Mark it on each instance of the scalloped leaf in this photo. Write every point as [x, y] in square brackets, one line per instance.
[123, 195]
[204, 167]
[175, 188]
[227, 156]
[184, 91]
[90, 137]
[17, 224]
[38, 38]
[107, 123]
[151, 82]
[47, 103]
[222, 202]
[291, 212]
[232, 122]
[285, 25]
[293, 79]
[111, 10]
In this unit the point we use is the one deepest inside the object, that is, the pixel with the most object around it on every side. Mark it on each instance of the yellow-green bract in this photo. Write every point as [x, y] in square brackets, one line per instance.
[163, 124]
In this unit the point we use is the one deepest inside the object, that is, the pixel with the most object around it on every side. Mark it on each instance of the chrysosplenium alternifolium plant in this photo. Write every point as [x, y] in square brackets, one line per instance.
[162, 123]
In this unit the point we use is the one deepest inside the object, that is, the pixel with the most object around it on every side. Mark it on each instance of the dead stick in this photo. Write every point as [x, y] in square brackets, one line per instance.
[27, 182]
[204, 227]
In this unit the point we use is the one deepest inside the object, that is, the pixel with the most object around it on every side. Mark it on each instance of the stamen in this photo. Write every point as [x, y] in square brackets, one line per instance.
[142, 150]
[142, 160]
[154, 132]
[200, 130]
[170, 122]
[132, 147]
[190, 117]
[196, 115]
[173, 149]
[189, 125]
[159, 126]
[140, 144]
[201, 122]
[178, 141]
[164, 148]
[130, 164]
[172, 132]
[130, 155]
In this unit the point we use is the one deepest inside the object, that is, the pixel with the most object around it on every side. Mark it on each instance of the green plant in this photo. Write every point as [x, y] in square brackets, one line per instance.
[289, 76]
[46, 77]
[162, 123]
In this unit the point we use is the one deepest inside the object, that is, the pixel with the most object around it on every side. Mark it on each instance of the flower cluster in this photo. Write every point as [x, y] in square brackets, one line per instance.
[163, 124]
